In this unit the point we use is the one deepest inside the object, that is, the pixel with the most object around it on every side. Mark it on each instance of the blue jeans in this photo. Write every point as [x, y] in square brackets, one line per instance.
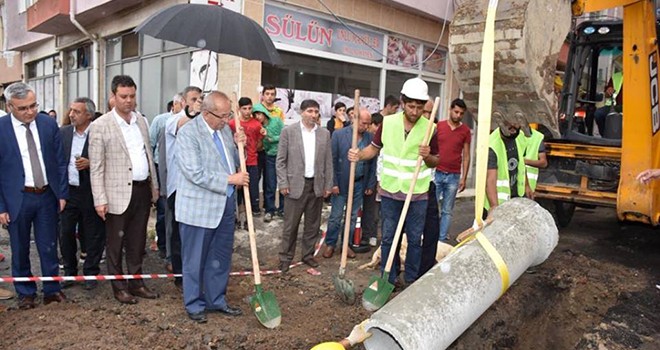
[270, 186]
[336, 220]
[391, 210]
[446, 187]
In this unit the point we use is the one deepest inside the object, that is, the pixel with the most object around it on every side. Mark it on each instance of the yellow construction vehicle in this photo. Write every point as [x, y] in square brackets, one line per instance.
[585, 169]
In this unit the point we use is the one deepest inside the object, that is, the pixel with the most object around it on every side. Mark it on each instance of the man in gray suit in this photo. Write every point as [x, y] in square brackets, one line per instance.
[205, 201]
[304, 183]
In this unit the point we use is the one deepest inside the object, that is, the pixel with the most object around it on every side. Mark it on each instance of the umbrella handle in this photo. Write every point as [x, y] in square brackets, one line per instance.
[413, 182]
[206, 74]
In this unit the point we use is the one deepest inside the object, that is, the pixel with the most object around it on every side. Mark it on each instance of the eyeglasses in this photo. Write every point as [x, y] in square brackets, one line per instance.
[223, 116]
[24, 109]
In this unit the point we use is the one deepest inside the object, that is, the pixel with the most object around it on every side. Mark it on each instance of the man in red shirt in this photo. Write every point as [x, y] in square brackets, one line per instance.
[253, 135]
[450, 174]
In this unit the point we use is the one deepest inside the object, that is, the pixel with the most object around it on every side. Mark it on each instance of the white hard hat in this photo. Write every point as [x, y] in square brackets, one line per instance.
[416, 89]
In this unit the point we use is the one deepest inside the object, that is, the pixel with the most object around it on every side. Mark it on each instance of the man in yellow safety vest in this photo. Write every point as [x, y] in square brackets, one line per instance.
[399, 139]
[506, 177]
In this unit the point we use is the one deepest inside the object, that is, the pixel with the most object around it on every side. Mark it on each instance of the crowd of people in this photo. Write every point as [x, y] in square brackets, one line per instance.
[96, 179]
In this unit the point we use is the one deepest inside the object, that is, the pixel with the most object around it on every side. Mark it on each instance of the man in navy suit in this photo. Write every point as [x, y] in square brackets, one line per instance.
[33, 189]
[79, 210]
[365, 180]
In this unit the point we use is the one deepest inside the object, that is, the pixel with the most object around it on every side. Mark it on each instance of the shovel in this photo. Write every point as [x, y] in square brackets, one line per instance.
[263, 304]
[379, 289]
[343, 286]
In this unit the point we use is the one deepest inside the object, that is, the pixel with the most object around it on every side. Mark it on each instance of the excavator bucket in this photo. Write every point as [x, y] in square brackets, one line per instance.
[528, 37]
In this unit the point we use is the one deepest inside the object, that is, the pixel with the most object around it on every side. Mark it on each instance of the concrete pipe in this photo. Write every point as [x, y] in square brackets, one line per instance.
[442, 304]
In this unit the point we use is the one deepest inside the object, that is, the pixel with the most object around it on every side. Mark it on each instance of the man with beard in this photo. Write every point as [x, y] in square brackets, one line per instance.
[506, 177]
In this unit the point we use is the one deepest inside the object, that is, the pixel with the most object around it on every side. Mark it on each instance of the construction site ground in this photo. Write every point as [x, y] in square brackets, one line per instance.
[598, 290]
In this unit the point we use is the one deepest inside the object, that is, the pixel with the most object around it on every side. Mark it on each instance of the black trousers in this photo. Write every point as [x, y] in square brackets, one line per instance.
[79, 210]
[175, 240]
[431, 233]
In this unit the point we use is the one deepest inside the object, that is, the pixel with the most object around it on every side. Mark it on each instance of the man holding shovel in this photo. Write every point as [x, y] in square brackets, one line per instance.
[205, 202]
[365, 179]
[400, 138]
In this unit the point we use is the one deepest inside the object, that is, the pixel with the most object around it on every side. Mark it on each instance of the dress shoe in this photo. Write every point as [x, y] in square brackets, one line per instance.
[284, 266]
[350, 254]
[328, 252]
[89, 285]
[54, 298]
[311, 262]
[26, 302]
[144, 292]
[67, 284]
[168, 267]
[199, 317]
[6, 294]
[124, 297]
[228, 310]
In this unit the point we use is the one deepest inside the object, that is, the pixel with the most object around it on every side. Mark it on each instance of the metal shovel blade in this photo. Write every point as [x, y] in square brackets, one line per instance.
[344, 288]
[377, 292]
[266, 309]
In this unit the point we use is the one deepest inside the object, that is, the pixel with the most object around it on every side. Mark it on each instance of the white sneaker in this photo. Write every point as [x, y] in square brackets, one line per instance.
[373, 241]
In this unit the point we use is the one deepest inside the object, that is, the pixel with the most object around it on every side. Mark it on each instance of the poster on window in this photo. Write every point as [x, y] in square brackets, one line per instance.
[204, 71]
[402, 52]
[289, 101]
[435, 62]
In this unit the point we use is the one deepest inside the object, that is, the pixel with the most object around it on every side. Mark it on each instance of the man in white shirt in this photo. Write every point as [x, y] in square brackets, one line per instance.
[124, 185]
[303, 184]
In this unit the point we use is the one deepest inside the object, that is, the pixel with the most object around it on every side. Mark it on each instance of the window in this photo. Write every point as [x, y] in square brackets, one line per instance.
[43, 76]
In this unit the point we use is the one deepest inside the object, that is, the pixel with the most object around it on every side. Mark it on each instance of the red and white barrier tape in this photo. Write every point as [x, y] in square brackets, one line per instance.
[141, 276]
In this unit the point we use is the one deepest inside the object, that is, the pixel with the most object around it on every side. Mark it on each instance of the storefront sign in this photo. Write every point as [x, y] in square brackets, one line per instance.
[234, 5]
[291, 27]
[402, 52]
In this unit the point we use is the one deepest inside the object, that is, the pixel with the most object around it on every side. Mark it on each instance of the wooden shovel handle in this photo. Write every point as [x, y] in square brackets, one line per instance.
[248, 209]
[413, 182]
[351, 185]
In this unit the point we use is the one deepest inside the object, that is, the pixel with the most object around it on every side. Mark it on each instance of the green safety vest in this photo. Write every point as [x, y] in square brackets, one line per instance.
[497, 145]
[400, 156]
[532, 153]
[617, 81]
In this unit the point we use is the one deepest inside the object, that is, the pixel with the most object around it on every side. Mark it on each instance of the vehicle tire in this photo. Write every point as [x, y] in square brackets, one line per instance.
[563, 213]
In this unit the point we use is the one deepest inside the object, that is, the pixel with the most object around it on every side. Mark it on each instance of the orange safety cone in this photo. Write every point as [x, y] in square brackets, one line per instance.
[357, 235]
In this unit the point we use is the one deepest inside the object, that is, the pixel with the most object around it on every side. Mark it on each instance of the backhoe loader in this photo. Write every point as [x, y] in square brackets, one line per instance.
[596, 144]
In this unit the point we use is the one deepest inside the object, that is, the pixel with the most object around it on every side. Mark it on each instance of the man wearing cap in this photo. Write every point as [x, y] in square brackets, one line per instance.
[506, 177]
[399, 138]
[272, 128]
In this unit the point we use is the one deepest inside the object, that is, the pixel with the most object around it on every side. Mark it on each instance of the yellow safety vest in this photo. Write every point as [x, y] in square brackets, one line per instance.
[503, 181]
[400, 155]
[532, 153]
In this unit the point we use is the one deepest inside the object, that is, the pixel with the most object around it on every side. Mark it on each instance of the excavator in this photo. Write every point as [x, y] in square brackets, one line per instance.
[588, 166]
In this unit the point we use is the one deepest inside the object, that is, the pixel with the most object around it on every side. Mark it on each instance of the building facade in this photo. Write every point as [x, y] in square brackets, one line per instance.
[329, 48]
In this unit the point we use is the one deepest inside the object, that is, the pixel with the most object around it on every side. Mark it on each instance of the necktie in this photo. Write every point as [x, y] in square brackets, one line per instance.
[37, 172]
[225, 161]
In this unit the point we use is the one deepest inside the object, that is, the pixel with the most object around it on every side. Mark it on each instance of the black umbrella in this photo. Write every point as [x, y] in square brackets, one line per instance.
[213, 28]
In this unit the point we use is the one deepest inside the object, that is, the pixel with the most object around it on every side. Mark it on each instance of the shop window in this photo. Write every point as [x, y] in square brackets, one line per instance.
[130, 45]
[395, 81]
[31, 70]
[308, 73]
